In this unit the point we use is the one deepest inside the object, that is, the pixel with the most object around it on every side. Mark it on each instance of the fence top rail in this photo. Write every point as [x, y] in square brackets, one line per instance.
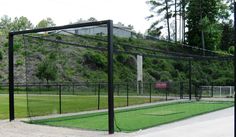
[61, 27]
[217, 86]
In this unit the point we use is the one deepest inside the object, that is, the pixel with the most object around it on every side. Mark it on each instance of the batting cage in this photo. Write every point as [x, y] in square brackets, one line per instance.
[86, 76]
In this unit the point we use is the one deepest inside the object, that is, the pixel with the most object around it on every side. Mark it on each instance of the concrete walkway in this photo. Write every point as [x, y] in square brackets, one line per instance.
[215, 124]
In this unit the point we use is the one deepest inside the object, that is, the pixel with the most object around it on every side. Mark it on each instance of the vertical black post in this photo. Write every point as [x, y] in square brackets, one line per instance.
[118, 89]
[190, 80]
[110, 78]
[60, 99]
[212, 89]
[181, 88]
[166, 94]
[99, 88]
[127, 94]
[95, 88]
[234, 58]
[73, 88]
[11, 77]
[150, 92]
[39, 88]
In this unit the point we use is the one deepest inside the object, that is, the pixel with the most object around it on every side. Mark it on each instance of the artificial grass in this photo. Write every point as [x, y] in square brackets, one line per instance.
[140, 118]
[40, 105]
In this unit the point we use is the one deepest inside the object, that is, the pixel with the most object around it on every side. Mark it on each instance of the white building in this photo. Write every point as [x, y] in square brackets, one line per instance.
[118, 30]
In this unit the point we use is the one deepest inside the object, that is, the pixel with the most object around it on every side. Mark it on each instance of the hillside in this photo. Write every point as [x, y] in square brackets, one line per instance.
[69, 63]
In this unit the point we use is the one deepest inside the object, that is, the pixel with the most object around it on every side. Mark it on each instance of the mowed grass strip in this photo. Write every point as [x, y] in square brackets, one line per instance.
[136, 119]
[40, 105]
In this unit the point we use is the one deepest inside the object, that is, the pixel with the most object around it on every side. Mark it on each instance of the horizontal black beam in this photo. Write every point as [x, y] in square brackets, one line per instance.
[60, 27]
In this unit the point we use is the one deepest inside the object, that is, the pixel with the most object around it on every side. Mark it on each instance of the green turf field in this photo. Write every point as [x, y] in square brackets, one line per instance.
[49, 104]
[135, 119]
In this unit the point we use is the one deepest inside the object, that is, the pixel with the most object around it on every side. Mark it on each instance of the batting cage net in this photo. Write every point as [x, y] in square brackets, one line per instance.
[65, 79]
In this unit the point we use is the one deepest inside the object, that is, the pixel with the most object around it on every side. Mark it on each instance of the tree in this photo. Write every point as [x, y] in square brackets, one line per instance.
[227, 39]
[202, 22]
[21, 23]
[131, 27]
[92, 19]
[5, 24]
[154, 30]
[158, 7]
[47, 70]
[48, 22]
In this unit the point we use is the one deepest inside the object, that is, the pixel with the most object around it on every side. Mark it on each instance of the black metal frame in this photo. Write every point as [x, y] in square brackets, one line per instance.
[234, 59]
[110, 50]
[109, 24]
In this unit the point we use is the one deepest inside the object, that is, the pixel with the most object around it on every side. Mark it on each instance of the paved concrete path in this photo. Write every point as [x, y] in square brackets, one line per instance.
[215, 124]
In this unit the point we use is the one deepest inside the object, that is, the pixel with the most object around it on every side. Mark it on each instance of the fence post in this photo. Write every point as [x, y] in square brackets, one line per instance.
[150, 92]
[60, 99]
[190, 80]
[118, 89]
[73, 88]
[99, 87]
[212, 89]
[127, 94]
[95, 89]
[166, 95]
[181, 89]
[220, 92]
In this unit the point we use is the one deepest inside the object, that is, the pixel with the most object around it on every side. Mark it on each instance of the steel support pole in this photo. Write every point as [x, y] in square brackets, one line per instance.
[127, 94]
[110, 78]
[60, 110]
[234, 57]
[99, 88]
[11, 77]
[190, 79]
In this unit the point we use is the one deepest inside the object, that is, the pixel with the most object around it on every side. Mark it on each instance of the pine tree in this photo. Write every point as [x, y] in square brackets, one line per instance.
[161, 8]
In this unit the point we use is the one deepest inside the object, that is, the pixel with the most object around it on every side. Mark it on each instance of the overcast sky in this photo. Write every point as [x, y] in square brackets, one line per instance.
[65, 11]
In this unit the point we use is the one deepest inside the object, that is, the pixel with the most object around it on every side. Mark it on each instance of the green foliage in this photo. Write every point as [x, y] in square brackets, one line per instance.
[204, 17]
[19, 62]
[21, 23]
[231, 50]
[95, 60]
[47, 70]
[48, 22]
[227, 39]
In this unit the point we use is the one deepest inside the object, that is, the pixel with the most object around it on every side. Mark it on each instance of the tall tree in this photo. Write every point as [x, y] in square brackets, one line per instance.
[227, 39]
[5, 24]
[203, 23]
[21, 23]
[175, 20]
[48, 22]
[183, 3]
[47, 70]
[162, 8]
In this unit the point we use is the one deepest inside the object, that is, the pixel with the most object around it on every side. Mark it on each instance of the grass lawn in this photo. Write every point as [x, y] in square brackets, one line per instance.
[135, 119]
[49, 104]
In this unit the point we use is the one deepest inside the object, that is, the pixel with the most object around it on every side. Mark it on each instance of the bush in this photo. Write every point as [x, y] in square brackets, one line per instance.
[95, 60]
